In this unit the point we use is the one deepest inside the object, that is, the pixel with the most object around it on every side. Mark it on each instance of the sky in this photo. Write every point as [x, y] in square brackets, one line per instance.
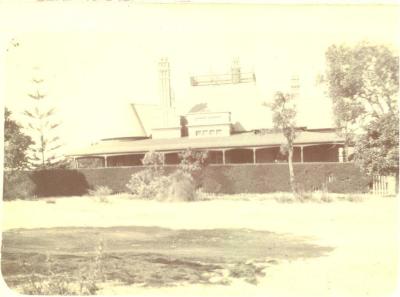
[96, 59]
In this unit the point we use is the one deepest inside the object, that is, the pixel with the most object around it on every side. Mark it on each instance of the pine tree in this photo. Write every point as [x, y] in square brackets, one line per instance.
[44, 153]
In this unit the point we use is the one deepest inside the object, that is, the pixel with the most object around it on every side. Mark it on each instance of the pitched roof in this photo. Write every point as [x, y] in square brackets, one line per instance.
[147, 117]
[249, 139]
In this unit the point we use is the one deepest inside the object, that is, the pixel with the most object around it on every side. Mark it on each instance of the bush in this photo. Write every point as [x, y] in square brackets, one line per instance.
[101, 192]
[147, 184]
[154, 183]
[192, 161]
[17, 185]
[59, 182]
[181, 187]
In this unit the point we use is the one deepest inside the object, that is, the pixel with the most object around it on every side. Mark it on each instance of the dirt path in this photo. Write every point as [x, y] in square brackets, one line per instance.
[363, 235]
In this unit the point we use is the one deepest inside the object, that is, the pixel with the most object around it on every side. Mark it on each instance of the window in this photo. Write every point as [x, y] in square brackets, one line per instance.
[205, 132]
[219, 131]
[212, 132]
[198, 133]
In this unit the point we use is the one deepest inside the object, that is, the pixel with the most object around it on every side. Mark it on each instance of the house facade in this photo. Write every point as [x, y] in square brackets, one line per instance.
[161, 129]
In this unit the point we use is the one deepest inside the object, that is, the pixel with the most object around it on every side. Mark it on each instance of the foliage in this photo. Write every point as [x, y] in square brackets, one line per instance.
[227, 179]
[42, 127]
[363, 85]
[267, 178]
[44, 183]
[192, 161]
[377, 151]
[148, 184]
[155, 160]
[284, 116]
[365, 77]
[16, 144]
[17, 185]
[181, 187]
[58, 284]
[101, 193]
[153, 182]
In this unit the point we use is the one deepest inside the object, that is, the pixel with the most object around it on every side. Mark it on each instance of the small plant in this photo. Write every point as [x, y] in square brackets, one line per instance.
[285, 198]
[56, 284]
[101, 192]
[354, 198]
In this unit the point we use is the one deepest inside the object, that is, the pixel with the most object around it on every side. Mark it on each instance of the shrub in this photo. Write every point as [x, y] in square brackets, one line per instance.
[181, 187]
[192, 160]
[154, 183]
[101, 192]
[284, 198]
[59, 182]
[17, 185]
[155, 160]
[147, 184]
[354, 198]
[211, 185]
[52, 283]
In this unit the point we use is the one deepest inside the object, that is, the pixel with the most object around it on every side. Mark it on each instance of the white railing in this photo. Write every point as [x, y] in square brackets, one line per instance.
[384, 185]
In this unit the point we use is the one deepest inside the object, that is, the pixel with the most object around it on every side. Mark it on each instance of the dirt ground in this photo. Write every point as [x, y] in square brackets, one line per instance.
[360, 238]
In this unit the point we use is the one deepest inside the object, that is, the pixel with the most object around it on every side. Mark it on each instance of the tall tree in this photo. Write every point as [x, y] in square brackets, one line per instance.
[377, 150]
[16, 144]
[363, 86]
[43, 125]
[284, 119]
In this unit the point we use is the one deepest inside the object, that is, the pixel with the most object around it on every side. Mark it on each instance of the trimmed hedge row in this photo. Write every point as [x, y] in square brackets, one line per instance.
[333, 177]
[230, 179]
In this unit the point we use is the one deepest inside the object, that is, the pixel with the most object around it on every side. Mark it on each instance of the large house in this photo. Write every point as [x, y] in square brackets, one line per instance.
[206, 127]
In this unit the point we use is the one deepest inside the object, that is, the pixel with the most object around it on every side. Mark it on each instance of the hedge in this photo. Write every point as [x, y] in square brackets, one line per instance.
[230, 179]
[333, 177]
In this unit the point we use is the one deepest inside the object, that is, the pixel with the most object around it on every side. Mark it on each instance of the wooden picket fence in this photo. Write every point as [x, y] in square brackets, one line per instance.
[384, 185]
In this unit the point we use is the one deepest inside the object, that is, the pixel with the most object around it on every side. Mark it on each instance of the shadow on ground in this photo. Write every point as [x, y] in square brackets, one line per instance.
[149, 256]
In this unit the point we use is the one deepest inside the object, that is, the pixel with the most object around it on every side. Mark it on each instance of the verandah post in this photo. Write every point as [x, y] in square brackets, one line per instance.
[301, 154]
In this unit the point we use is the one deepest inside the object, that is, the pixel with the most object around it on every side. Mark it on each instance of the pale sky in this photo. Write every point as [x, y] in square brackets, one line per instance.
[96, 59]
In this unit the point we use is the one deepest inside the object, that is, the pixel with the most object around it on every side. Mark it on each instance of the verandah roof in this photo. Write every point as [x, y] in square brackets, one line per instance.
[244, 140]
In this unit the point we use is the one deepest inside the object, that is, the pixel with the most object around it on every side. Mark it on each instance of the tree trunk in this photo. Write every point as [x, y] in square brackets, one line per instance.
[345, 152]
[291, 171]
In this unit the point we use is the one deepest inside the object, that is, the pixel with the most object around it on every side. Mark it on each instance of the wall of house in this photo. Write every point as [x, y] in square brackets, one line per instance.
[208, 118]
[318, 153]
[321, 153]
[125, 160]
[231, 179]
[209, 130]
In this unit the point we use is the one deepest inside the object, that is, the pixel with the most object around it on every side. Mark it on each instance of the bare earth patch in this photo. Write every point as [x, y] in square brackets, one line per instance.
[149, 256]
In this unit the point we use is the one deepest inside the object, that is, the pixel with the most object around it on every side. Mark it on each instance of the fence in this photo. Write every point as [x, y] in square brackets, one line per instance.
[384, 185]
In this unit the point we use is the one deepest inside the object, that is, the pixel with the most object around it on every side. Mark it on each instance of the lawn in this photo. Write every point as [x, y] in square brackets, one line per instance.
[236, 245]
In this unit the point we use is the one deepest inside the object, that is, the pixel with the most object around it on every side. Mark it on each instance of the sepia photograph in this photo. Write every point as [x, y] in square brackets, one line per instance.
[199, 149]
